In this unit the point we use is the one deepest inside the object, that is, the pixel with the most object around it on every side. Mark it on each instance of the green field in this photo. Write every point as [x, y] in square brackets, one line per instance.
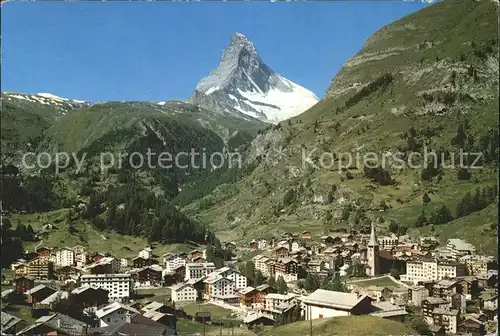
[120, 246]
[348, 325]
[384, 281]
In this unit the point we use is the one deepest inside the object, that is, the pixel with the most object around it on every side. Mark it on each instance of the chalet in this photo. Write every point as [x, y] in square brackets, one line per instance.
[106, 265]
[253, 244]
[331, 240]
[444, 288]
[306, 235]
[150, 276]
[23, 284]
[43, 252]
[194, 254]
[20, 269]
[487, 280]
[40, 268]
[277, 304]
[258, 319]
[146, 253]
[179, 273]
[156, 307]
[472, 326]
[468, 286]
[281, 252]
[346, 237]
[86, 296]
[140, 262]
[388, 310]
[67, 273]
[448, 318]
[38, 293]
[287, 268]
[198, 260]
[114, 313]
[135, 324]
[165, 319]
[57, 324]
[323, 304]
[262, 291]
[431, 303]
[95, 257]
[249, 297]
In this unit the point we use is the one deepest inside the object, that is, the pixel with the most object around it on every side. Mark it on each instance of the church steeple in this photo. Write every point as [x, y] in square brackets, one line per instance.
[373, 237]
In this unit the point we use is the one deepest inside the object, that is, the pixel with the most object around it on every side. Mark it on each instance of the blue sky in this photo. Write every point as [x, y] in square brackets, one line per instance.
[158, 51]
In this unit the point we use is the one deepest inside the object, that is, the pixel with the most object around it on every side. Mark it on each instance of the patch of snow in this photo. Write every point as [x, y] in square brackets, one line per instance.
[280, 105]
[161, 103]
[51, 96]
[212, 89]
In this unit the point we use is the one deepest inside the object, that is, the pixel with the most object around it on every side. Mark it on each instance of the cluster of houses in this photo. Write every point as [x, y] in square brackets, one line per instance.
[445, 281]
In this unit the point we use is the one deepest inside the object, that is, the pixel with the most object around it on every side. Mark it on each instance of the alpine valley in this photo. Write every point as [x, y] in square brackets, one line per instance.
[426, 81]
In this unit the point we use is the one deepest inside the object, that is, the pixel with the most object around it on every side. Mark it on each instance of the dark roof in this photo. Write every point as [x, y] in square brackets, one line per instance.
[60, 322]
[138, 325]
[8, 321]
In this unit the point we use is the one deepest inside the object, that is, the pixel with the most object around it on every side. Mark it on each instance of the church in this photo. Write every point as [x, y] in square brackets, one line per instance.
[378, 261]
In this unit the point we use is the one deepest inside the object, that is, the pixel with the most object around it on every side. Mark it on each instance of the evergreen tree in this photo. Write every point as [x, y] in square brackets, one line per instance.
[272, 282]
[209, 251]
[259, 278]
[421, 221]
[426, 199]
[281, 285]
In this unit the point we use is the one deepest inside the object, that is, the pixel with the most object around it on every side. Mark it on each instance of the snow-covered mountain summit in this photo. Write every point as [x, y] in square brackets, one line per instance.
[243, 84]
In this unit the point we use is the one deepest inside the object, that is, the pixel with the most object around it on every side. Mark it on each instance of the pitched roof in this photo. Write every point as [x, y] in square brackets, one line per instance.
[112, 308]
[8, 321]
[373, 237]
[59, 322]
[334, 299]
[55, 296]
[36, 289]
[152, 306]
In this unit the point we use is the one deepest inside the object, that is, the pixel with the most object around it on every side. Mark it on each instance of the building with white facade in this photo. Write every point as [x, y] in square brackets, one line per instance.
[324, 304]
[261, 263]
[114, 313]
[388, 242]
[146, 253]
[198, 270]
[219, 287]
[432, 270]
[118, 285]
[171, 263]
[417, 294]
[184, 292]
[80, 255]
[65, 257]
[459, 248]
[276, 303]
[240, 281]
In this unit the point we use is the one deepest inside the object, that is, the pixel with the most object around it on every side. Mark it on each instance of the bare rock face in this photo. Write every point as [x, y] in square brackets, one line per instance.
[245, 86]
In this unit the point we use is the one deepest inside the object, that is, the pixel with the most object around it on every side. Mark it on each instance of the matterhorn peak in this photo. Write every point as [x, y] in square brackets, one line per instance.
[243, 83]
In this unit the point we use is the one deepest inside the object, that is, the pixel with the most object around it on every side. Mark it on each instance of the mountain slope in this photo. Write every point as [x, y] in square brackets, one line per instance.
[429, 80]
[26, 116]
[243, 84]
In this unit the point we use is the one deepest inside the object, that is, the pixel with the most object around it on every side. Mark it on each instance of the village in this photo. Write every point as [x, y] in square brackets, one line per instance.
[70, 291]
